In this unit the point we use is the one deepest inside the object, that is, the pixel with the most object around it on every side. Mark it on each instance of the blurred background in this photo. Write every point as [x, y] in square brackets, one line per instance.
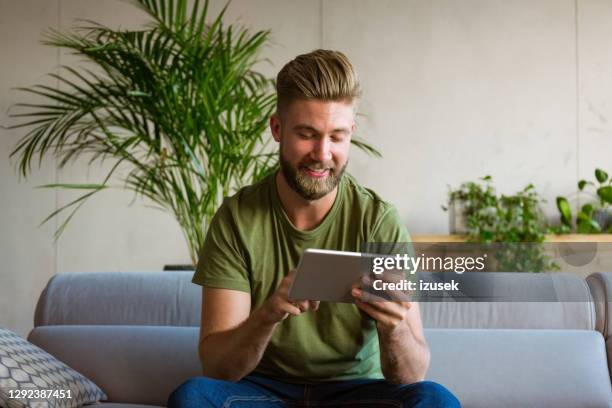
[452, 91]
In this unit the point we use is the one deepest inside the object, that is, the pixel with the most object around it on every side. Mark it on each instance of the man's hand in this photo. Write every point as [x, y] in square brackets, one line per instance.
[278, 306]
[239, 333]
[404, 354]
[391, 314]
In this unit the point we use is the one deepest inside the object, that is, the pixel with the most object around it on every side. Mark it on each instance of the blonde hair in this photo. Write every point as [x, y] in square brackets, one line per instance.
[321, 74]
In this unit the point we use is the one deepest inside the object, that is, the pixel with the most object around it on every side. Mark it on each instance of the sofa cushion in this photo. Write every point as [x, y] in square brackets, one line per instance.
[120, 298]
[25, 367]
[521, 368]
[132, 364]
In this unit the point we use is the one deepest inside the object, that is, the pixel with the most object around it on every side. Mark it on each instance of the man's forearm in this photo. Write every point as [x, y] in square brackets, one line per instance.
[232, 354]
[404, 357]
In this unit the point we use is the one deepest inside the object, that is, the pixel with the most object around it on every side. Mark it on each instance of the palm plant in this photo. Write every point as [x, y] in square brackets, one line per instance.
[177, 103]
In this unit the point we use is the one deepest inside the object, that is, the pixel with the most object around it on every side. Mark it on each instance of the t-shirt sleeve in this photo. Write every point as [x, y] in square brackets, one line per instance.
[221, 263]
[389, 234]
[389, 227]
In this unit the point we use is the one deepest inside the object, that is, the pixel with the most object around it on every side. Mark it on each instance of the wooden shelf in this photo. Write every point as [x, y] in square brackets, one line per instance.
[549, 238]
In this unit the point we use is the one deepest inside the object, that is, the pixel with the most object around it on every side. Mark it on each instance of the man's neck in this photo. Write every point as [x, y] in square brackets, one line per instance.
[304, 214]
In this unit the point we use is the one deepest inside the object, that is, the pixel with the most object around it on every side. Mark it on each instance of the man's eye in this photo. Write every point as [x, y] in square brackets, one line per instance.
[305, 135]
[338, 138]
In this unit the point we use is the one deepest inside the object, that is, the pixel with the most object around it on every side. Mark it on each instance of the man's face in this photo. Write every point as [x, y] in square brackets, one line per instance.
[314, 137]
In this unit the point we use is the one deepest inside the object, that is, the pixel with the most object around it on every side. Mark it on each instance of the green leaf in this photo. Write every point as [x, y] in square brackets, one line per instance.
[587, 209]
[79, 201]
[582, 184]
[74, 186]
[138, 93]
[587, 226]
[365, 147]
[601, 175]
[605, 193]
[565, 210]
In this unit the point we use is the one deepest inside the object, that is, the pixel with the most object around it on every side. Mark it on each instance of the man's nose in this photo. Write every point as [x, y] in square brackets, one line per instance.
[322, 150]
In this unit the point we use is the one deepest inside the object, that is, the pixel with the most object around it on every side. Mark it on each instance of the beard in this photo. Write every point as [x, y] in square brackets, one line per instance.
[311, 188]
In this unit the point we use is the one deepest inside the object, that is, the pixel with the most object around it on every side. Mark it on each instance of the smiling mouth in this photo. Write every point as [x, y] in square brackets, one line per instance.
[317, 173]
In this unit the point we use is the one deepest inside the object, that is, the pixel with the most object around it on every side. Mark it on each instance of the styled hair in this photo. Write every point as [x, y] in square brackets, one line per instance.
[321, 74]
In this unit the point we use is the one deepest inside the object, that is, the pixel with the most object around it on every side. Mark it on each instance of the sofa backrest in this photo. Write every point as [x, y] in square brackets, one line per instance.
[538, 301]
[120, 298]
[170, 299]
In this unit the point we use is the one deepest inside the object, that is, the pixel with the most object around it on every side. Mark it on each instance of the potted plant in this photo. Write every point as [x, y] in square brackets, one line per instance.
[516, 220]
[469, 199]
[593, 217]
[178, 103]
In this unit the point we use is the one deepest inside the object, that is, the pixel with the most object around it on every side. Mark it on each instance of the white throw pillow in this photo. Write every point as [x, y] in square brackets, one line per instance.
[31, 377]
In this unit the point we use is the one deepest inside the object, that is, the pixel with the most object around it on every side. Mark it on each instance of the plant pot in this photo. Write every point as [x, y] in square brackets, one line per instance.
[457, 219]
[603, 218]
[183, 267]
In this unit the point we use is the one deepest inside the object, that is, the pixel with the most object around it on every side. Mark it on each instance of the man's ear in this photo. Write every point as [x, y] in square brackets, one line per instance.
[275, 126]
[353, 127]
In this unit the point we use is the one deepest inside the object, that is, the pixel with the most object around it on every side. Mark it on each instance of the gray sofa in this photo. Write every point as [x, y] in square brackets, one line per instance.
[136, 334]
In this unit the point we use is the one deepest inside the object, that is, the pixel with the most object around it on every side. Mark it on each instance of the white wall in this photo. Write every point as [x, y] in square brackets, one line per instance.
[453, 90]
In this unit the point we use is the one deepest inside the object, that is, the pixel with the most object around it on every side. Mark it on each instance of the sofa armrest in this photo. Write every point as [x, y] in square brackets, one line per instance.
[600, 285]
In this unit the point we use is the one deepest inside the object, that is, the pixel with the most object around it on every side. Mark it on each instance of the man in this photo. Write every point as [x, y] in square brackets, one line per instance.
[256, 346]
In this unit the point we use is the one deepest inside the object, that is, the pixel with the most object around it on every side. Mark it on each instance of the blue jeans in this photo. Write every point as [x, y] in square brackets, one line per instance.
[258, 391]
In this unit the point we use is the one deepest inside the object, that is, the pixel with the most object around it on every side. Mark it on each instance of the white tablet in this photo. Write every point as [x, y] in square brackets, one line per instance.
[328, 275]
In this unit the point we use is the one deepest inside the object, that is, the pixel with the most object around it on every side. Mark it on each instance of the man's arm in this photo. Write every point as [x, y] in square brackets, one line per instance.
[404, 353]
[403, 349]
[225, 326]
[232, 339]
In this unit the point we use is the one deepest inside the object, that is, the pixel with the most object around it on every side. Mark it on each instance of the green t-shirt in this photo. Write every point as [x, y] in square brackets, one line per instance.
[251, 245]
